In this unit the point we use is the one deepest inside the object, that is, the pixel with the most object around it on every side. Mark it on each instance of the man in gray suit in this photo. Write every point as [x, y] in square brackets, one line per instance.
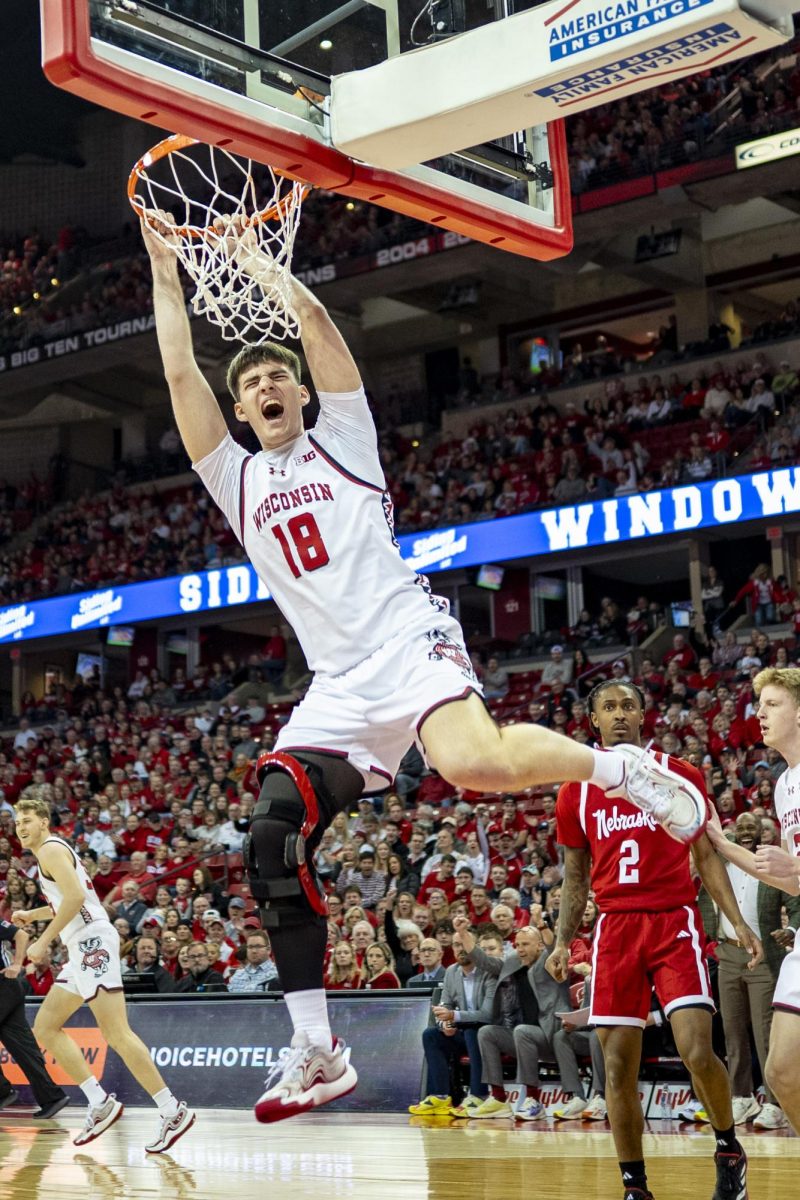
[466, 1003]
[524, 1023]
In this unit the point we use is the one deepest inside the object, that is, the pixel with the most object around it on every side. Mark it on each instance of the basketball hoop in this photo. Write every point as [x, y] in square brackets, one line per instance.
[235, 225]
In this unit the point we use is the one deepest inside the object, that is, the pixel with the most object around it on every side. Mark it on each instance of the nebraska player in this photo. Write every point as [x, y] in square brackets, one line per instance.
[313, 513]
[649, 934]
[778, 692]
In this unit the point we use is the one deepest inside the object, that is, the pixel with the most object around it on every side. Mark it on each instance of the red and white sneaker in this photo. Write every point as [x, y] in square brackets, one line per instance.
[98, 1120]
[305, 1078]
[171, 1129]
[670, 799]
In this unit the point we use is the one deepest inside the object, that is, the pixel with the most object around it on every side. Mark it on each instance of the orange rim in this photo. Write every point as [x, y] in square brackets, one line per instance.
[178, 141]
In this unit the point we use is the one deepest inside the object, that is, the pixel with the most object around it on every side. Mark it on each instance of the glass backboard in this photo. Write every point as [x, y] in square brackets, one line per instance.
[255, 76]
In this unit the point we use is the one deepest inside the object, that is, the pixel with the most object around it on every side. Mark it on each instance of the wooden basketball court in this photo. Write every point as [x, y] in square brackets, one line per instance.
[334, 1155]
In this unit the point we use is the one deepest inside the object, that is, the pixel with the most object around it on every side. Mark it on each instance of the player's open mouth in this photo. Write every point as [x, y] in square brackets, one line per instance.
[272, 410]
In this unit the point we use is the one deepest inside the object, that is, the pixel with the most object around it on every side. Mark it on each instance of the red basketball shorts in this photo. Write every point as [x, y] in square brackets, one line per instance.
[635, 952]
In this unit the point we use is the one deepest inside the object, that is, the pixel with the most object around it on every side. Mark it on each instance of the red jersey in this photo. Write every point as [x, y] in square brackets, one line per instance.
[636, 865]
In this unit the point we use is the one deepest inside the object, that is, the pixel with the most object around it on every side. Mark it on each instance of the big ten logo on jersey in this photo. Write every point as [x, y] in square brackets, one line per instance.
[304, 458]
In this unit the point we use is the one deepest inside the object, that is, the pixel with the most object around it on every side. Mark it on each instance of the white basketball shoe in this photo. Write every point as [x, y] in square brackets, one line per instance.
[305, 1078]
[674, 802]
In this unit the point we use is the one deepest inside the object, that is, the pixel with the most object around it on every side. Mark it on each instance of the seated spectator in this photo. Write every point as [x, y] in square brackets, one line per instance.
[201, 976]
[681, 653]
[39, 977]
[344, 972]
[558, 669]
[131, 907]
[466, 1003]
[378, 969]
[146, 962]
[372, 883]
[495, 680]
[431, 970]
[523, 1024]
[361, 938]
[259, 969]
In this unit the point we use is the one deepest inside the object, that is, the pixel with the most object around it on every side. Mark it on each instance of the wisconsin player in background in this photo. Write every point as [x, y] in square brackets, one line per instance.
[778, 693]
[90, 976]
[649, 935]
[314, 515]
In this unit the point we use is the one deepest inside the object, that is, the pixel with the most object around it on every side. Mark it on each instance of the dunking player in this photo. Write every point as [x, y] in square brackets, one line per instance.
[778, 692]
[313, 513]
[648, 935]
[92, 976]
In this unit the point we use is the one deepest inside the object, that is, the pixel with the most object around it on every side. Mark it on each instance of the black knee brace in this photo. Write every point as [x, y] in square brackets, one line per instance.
[299, 796]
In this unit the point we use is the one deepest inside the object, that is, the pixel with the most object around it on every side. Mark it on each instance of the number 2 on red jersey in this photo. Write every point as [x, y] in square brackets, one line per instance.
[628, 862]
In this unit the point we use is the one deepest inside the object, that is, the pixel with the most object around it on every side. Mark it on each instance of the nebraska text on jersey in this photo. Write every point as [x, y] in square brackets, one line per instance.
[281, 502]
[616, 821]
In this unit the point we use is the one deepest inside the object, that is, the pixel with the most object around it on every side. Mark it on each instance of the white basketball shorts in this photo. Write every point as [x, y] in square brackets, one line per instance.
[93, 962]
[787, 991]
[372, 713]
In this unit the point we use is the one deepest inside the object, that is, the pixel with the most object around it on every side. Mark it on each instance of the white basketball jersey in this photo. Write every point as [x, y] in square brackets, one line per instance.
[91, 909]
[787, 806]
[315, 519]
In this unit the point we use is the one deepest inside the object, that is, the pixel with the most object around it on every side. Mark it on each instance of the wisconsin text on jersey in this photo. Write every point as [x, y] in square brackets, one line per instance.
[299, 497]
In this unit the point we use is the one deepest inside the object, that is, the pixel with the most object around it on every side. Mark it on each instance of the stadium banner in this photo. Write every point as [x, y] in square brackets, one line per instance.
[678, 510]
[217, 1053]
[423, 246]
[674, 510]
[767, 149]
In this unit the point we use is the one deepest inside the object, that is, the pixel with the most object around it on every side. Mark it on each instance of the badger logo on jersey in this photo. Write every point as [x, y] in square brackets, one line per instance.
[443, 648]
[95, 958]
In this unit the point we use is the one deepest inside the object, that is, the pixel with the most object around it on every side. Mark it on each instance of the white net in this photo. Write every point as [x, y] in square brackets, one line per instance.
[234, 229]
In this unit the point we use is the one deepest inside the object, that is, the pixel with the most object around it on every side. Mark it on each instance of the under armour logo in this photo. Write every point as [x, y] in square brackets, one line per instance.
[276, 471]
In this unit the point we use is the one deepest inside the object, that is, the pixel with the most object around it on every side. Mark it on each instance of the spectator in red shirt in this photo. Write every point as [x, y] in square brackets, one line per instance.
[480, 905]
[169, 952]
[138, 871]
[156, 832]
[759, 591]
[344, 972]
[39, 977]
[512, 821]
[133, 839]
[442, 879]
[705, 677]
[507, 856]
[106, 876]
[681, 653]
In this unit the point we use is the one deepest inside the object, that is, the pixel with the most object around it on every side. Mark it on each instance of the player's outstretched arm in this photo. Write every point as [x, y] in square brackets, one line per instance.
[197, 414]
[717, 883]
[574, 894]
[778, 867]
[331, 364]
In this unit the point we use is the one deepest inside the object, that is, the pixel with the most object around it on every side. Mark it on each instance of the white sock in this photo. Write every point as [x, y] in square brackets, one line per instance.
[609, 769]
[166, 1102]
[309, 1013]
[93, 1092]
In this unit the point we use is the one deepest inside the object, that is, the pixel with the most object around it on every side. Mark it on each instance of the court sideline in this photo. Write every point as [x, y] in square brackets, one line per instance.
[365, 1158]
